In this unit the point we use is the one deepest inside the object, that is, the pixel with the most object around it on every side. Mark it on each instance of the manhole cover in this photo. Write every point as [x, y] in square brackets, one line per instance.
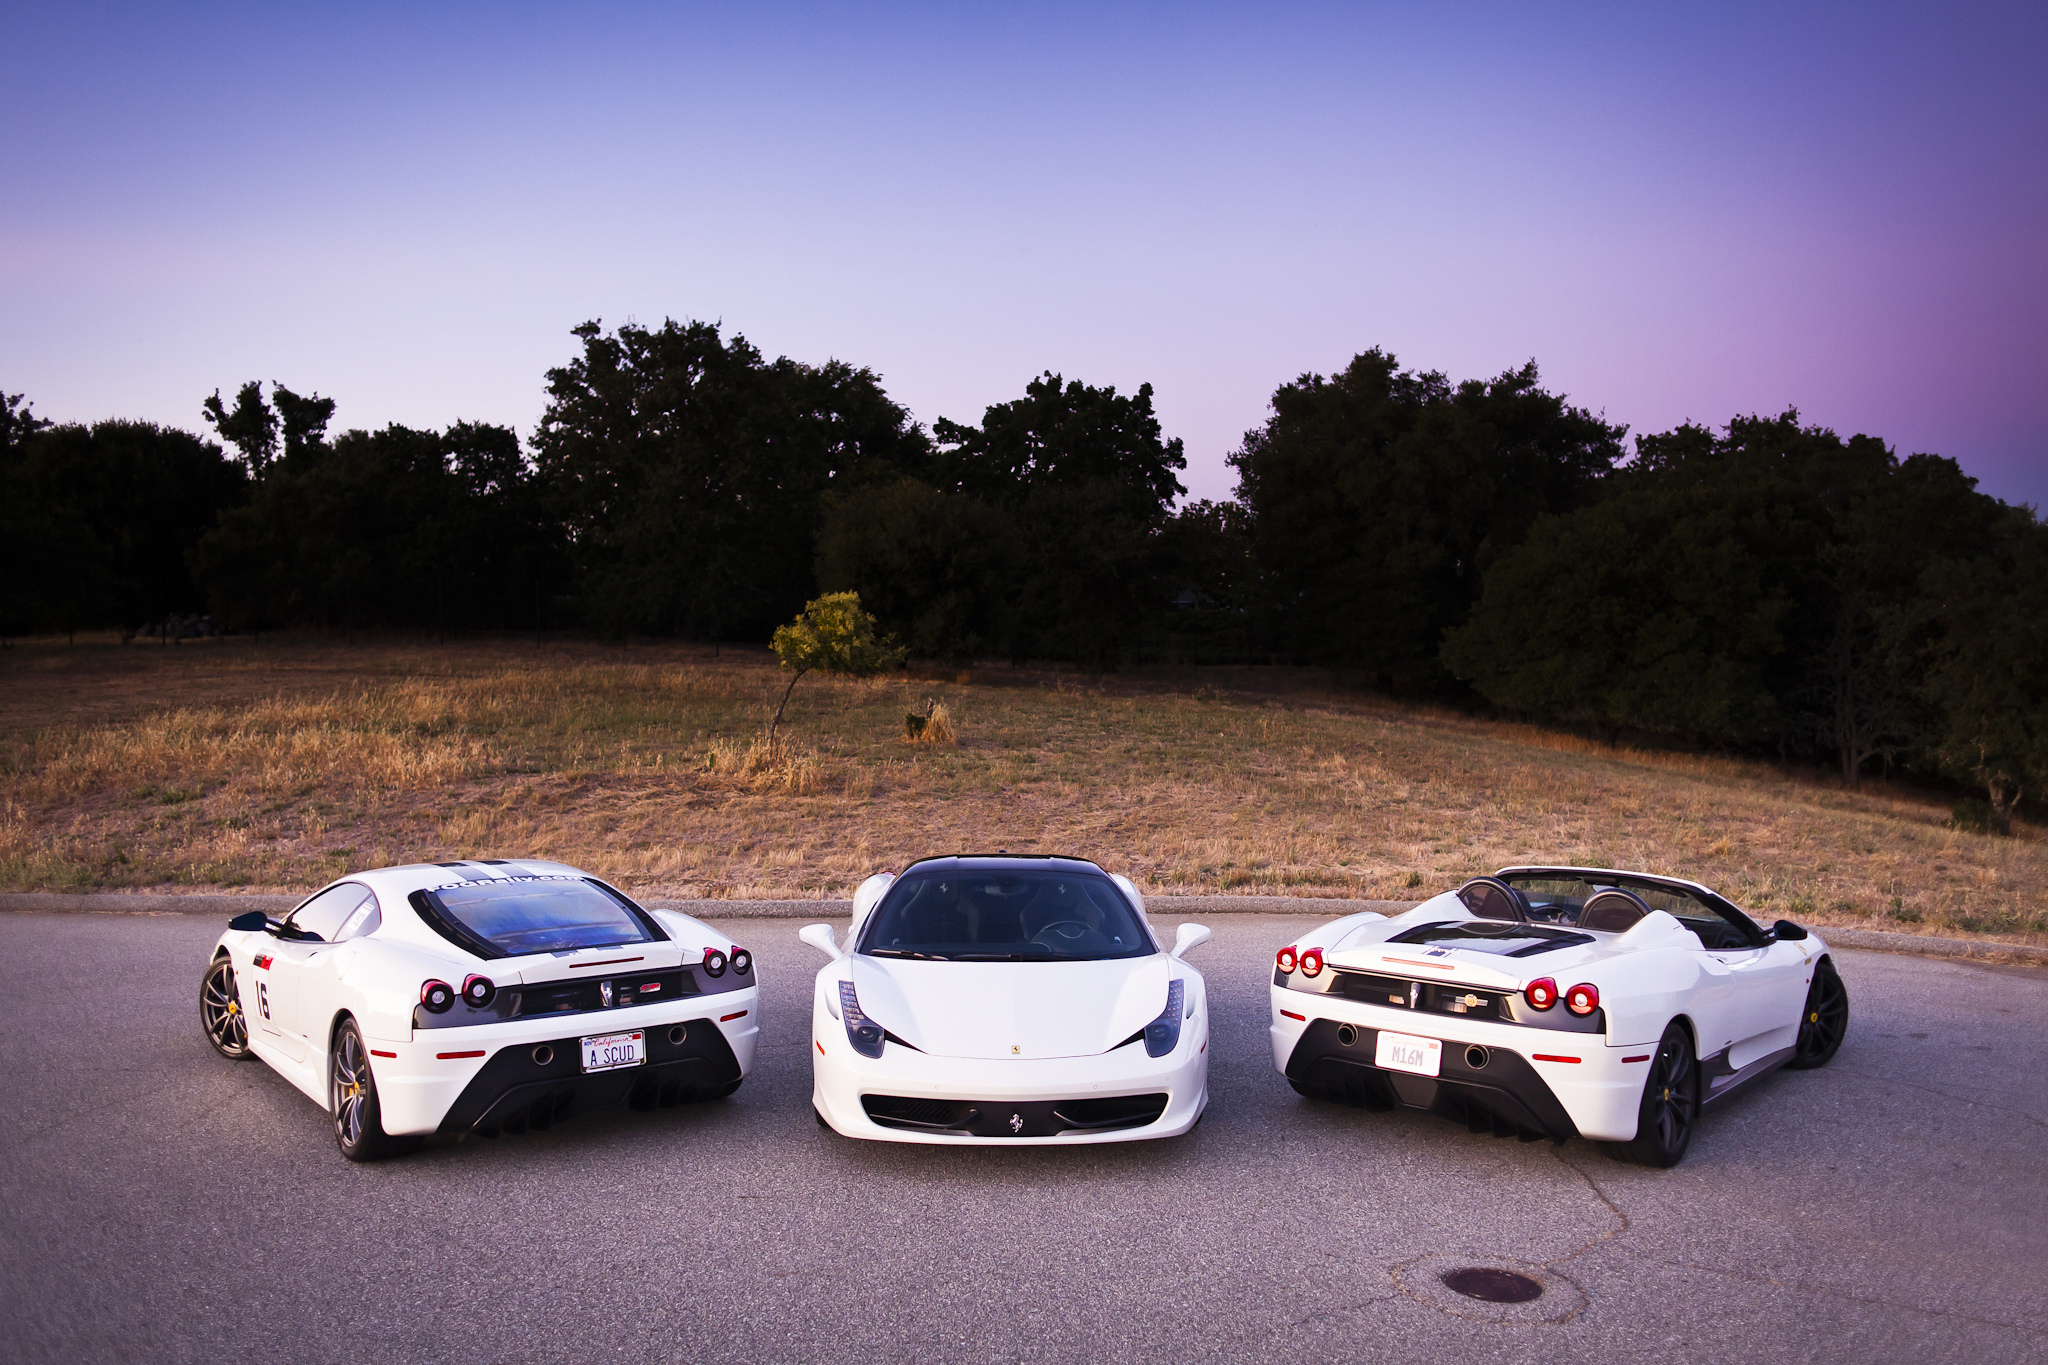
[1492, 1286]
[1490, 1289]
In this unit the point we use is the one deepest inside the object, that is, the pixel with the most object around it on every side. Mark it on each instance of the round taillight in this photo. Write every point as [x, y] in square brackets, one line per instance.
[714, 962]
[437, 996]
[1312, 962]
[1582, 999]
[1284, 959]
[1540, 993]
[478, 991]
[742, 961]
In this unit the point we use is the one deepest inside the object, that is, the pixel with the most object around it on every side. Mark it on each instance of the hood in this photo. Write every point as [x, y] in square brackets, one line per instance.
[1012, 1010]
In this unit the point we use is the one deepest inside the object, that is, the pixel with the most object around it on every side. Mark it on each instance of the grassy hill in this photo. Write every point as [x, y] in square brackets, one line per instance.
[280, 765]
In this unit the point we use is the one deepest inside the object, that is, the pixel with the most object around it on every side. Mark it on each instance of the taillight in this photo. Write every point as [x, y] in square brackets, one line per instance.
[742, 961]
[1540, 993]
[1312, 962]
[714, 962]
[437, 996]
[1284, 959]
[478, 991]
[1582, 999]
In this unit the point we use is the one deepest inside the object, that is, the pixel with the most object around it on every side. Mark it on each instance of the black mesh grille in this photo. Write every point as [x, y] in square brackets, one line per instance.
[1390, 991]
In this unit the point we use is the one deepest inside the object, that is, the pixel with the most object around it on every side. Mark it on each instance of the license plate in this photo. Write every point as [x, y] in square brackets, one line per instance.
[1406, 1052]
[610, 1051]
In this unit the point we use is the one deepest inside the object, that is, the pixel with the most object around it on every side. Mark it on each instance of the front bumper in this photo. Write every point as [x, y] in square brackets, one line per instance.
[1530, 1083]
[1036, 1102]
[507, 1090]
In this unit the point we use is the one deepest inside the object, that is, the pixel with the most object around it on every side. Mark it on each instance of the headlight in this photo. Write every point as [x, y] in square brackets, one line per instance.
[1162, 1035]
[862, 1032]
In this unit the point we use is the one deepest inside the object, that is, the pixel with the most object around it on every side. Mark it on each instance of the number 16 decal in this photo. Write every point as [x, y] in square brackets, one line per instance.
[263, 997]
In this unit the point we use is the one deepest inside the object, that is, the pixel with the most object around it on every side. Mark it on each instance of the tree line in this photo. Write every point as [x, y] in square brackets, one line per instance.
[1766, 585]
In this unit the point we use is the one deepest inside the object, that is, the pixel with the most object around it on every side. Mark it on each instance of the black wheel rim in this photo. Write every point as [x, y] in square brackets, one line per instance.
[351, 1087]
[1826, 1017]
[220, 1009]
[1668, 1096]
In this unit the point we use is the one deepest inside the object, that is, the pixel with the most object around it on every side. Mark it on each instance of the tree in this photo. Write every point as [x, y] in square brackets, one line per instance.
[1988, 674]
[937, 568]
[692, 472]
[833, 635]
[1086, 480]
[250, 426]
[1378, 496]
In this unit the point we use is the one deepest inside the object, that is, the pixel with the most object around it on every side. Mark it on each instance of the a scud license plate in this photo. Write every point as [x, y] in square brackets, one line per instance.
[1406, 1052]
[610, 1051]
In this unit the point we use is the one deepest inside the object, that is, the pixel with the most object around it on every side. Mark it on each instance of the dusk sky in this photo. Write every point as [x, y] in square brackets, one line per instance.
[1685, 213]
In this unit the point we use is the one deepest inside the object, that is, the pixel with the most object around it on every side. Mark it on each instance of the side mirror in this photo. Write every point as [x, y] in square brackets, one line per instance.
[1188, 938]
[1785, 931]
[249, 921]
[821, 937]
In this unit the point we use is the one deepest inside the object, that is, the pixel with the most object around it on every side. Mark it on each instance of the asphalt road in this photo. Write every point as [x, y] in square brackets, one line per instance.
[161, 1203]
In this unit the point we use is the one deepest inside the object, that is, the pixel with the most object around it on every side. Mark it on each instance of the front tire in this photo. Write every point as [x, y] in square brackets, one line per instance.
[352, 1099]
[1670, 1105]
[1825, 1022]
[220, 1011]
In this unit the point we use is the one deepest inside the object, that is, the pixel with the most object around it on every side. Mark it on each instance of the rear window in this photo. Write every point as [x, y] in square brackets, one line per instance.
[522, 915]
[1006, 916]
[1506, 938]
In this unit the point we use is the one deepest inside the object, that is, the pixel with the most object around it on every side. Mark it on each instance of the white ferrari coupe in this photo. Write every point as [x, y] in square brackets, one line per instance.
[1007, 1000]
[1556, 1002]
[480, 997]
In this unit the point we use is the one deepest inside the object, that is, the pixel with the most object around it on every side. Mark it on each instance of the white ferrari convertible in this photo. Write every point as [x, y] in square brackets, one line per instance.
[480, 997]
[1556, 1002]
[1007, 1000]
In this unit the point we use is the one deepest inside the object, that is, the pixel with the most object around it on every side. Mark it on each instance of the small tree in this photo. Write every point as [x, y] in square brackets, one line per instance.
[831, 634]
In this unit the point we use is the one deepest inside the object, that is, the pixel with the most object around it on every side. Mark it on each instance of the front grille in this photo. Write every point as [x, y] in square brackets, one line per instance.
[992, 1118]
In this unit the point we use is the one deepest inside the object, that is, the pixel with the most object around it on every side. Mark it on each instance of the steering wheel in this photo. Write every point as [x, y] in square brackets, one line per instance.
[1079, 927]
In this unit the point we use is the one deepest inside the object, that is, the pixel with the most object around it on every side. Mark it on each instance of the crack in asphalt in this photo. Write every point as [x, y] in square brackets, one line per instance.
[1621, 1219]
[1959, 1099]
[1624, 1225]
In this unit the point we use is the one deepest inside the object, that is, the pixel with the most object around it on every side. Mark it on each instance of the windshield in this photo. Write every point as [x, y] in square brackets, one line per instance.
[540, 915]
[1006, 916]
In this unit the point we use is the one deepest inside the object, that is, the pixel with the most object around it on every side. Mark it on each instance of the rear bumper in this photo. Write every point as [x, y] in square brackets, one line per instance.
[1530, 1083]
[507, 1090]
[1024, 1103]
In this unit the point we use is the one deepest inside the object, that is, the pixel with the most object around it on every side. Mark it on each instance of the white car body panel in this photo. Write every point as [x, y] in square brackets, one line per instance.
[1742, 1006]
[1005, 1033]
[295, 994]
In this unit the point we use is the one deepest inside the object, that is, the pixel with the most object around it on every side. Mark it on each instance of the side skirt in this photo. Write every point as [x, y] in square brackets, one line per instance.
[1724, 1080]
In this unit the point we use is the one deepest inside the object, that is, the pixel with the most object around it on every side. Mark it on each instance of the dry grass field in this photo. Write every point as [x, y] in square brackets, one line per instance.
[281, 764]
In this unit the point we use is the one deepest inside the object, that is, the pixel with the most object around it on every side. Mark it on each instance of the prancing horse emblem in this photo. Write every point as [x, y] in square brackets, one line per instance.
[1414, 994]
[1016, 1123]
[604, 992]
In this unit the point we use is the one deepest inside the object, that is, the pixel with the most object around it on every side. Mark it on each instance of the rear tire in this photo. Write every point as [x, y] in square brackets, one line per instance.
[1670, 1107]
[1825, 1022]
[352, 1099]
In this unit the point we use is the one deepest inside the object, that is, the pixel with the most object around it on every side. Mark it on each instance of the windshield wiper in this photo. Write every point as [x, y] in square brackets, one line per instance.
[908, 952]
[1002, 957]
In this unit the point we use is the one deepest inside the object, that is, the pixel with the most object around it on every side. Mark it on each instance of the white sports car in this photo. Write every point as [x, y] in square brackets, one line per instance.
[1007, 1000]
[486, 997]
[1556, 1002]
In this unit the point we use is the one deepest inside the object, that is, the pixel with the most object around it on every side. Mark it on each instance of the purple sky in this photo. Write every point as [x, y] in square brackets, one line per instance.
[406, 208]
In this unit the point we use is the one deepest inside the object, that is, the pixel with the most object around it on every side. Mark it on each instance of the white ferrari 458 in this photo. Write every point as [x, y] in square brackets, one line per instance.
[1556, 1002]
[492, 996]
[1007, 1000]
